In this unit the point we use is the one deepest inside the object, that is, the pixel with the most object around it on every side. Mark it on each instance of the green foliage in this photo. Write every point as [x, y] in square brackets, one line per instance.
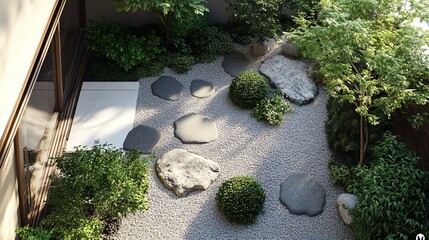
[118, 44]
[272, 109]
[247, 89]
[241, 199]
[305, 8]
[341, 174]
[169, 11]
[180, 63]
[419, 119]
[208, 43]
[259, 18]
[370, 54]
[29, 233]
[342, 130]
[392, 194]
[181, 29]
[95, 186]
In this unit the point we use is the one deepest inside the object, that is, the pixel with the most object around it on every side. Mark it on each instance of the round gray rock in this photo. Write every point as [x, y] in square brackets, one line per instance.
[184, 172]
[235, 63]
[302, 194]
[290, 49]
[201, 88]
[142, 138]
[345, 203]
[195, 128]
[167, 88]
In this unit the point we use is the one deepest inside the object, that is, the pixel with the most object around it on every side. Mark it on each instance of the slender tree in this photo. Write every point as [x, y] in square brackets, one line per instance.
[167, 10]
[371, 55]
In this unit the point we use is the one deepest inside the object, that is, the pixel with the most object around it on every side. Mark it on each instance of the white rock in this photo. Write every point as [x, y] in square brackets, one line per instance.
[290, 49]
[345, 202]
[184, 172]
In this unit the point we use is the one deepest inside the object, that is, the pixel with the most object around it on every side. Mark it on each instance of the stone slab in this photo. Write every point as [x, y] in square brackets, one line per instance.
[201, 88]
[235, 63]
[302, 194]
[290, 76]
[195, 128]
[142, 138]
[184, 172]
[167, 88]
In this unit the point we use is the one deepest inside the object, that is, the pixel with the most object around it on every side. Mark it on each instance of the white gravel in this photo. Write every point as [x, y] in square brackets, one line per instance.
[245, 147]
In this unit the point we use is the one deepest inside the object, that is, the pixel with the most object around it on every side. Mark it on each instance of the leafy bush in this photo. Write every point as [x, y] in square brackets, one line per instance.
[95, 186]
[182, 28]
[392, 194]
[247, 89]
[258, 18]
[240, 199]
[118, 44]
[341, 174]
[272, 109]
[342, 131]
[207, 43]
[180, 63]
[29, 233]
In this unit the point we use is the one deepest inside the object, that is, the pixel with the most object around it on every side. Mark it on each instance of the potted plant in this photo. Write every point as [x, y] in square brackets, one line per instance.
[259, 18]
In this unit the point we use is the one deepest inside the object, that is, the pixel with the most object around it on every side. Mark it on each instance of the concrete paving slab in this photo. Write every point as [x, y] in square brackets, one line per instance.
[105, 112]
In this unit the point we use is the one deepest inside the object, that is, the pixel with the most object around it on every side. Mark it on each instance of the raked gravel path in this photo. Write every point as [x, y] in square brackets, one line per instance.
[244, 147]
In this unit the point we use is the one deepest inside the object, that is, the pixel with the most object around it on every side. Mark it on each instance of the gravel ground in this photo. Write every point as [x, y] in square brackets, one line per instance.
[245, 147]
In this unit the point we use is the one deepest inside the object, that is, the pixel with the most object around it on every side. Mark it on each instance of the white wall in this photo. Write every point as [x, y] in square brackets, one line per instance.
[22, 24]
[103, 9]
[9, 201]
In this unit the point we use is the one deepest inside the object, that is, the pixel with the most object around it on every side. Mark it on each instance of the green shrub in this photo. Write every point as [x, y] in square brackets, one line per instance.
[118, 44]
[272, 109]
[208, 43]
[29, 233]
[183, 28]
[247, 89]
[180, 63]
[241, 199]
[341, 174]
[392, 194]
[95, 186]
[259, 19]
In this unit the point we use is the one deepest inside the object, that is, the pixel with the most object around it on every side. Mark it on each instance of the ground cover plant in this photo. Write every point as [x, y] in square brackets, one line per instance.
[392, 194]
[272, 109]
[370, 55]
[95, 187]
[241, 199]
[247, 89]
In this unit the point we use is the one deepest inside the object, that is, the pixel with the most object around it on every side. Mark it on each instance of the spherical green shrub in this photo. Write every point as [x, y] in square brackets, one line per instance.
[240, 199]
[247, 89]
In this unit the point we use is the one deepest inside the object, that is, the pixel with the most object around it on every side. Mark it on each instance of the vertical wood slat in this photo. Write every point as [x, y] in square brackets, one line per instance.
[58, 81]
[21, 179]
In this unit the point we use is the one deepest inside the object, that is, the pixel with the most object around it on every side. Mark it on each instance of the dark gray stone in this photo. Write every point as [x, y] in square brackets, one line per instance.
[201, 88]
[167, 88]
[142, 138]
[195, 128]
[235, 63]
[302, 194]
[290, 76]
[184, 172]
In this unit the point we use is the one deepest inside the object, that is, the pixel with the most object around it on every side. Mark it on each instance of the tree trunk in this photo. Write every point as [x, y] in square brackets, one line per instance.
[167, 21]
[364, 139]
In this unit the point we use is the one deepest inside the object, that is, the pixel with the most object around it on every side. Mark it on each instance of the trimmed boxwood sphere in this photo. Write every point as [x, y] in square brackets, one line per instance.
[240, 199]
[247, 89]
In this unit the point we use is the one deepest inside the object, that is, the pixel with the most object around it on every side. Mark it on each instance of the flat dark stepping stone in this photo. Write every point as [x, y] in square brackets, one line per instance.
[142, 138]
[195, 128]
[302, 194]
[201, 88]
[235, 63]
[167, 88]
